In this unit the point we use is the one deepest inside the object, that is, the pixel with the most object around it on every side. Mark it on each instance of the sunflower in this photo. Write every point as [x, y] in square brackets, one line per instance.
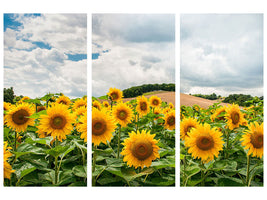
[122, 114]
[166, 110]
[97, 105]
[170, 120]
[64, 100]
[105, 104]
[204, 142]
[40, 108]
[17, 117]
[7, 167]
[234, 116]
[79, 102]
[7, 106]
[140, 149]
[102, 127]
[80, 111]
[186, 126]
[142, 105]
[157, 111]
[171, 106]
[57, 122]
[115, 94]
[155, 101]
[82, 126]
[253, 140]
[218, 112]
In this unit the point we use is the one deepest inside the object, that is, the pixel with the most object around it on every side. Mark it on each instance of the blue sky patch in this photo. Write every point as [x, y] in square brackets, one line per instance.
[77, 57]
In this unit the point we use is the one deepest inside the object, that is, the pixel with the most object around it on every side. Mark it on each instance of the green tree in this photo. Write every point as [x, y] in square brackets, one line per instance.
[9, 95]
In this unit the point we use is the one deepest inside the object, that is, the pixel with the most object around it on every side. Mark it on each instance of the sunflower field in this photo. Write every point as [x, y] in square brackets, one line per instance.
[221, 145]
[45, 141]
[133, 142]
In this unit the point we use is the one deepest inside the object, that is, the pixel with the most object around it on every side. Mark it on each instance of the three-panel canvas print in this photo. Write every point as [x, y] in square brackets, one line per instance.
[134, 100]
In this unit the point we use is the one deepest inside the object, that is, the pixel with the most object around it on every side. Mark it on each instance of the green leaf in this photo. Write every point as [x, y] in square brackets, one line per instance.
[37, 115]
[164, 162]
[80, 171]
[66, 177]
[55, 152]
[230, 182]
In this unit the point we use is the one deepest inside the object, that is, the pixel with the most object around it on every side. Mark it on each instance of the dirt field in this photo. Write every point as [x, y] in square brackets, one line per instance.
[189, 100]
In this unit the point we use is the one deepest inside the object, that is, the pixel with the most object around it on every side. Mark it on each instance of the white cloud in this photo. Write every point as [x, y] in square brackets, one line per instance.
[140, 51]
[34, 71]
[222, 53]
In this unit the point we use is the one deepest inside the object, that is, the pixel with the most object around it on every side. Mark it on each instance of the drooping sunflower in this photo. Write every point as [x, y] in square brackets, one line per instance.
[57, 122]
[79, 102]
[122, 114]
[82, 126]
[204, 142]
[170, 120]
[103, 125]
[17, 117]
[64, 100]
[7, 167]
[218, 112]
[115, 94]
[140, 149]
[253, 139]
[234, 116]
[97, 105]
[155, 101]
[187, 124]
[142, 105]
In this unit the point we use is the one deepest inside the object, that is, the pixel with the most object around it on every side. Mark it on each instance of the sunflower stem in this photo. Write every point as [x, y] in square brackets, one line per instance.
[184, 161]
[56, 164]
[202, 174]
[227, 143]
[248, 164]
[119, 142]
[94, 163]
[15, 142]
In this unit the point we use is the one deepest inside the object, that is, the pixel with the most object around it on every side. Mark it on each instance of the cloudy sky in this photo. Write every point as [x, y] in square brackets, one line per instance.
[222, 53]
[45, 53]
[131, 50]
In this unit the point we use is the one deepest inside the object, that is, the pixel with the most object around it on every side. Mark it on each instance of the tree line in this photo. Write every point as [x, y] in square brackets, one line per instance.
[139, 90]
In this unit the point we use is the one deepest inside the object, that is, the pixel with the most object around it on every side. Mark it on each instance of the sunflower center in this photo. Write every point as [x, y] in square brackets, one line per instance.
[143, 106]
[142, 150]
[235, 117]
[171, 120]
[122, 115]
[114, 96]
[63, 102]
[20, 117]
[155, 102]
[58, 122]
[205, 143]
[257, 140]
[99, 127]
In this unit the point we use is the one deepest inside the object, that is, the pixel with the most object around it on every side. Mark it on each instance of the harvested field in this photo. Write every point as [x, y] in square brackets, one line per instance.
[188, 100]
